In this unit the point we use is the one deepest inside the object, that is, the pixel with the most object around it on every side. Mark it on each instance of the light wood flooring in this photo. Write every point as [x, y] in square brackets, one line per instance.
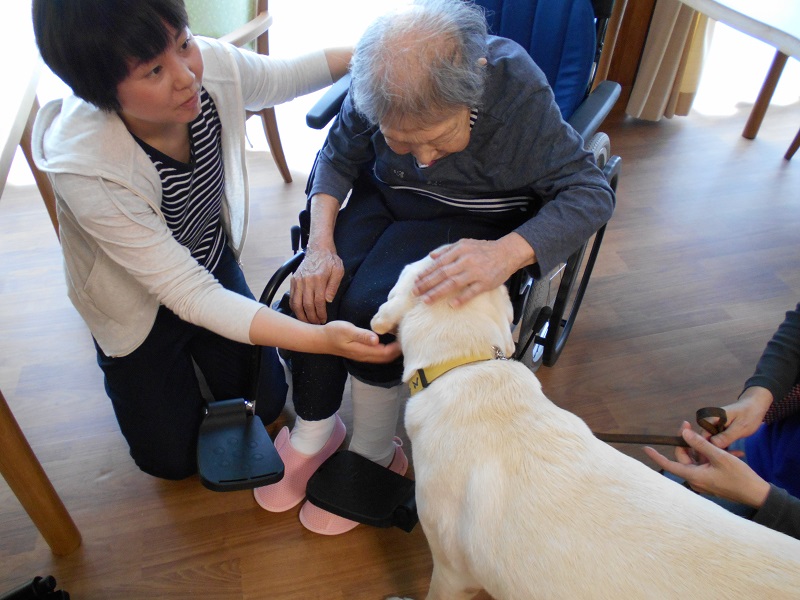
[700, 262]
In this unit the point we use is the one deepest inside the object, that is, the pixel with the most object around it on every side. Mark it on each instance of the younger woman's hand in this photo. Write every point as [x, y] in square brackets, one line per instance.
[358, 344]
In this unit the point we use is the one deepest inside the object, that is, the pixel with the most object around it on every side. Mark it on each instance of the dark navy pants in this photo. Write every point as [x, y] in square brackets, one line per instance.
[155, 391]
[377, 233]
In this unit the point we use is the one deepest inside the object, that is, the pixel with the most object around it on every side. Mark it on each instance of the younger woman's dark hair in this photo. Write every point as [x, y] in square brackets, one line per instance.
[90, 44]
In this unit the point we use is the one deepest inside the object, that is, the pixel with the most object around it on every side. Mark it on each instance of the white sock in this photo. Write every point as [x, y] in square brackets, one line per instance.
[309, 437]
[375, 412]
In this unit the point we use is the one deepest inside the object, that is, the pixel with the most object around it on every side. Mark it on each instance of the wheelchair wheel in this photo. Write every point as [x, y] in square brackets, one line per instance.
[600, 145]
[536, 298]
[572, 282]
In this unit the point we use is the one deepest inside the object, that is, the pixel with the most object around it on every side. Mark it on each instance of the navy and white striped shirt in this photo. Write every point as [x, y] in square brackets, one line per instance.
[192, 193]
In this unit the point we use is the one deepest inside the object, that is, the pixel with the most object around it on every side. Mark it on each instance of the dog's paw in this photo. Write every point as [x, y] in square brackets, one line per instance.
[381, 325]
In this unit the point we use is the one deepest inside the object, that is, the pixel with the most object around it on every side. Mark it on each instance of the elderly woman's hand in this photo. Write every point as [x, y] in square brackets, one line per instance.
[463, 270]
[314, 284]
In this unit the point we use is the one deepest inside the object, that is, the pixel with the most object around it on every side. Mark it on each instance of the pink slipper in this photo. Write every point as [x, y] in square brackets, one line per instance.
[321, 521]
[298, 469]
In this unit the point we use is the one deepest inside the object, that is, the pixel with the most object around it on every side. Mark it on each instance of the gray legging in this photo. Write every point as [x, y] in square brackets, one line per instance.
[379, 232]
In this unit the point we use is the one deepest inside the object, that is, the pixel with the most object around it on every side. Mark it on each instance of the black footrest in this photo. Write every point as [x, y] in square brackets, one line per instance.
[234, 451]
[353, 487]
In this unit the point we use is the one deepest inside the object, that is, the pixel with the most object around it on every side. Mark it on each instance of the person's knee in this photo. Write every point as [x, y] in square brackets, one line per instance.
[359, 306]
[380, 375]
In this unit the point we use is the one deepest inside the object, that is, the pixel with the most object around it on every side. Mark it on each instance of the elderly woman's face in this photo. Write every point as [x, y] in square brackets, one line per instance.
[429, 142]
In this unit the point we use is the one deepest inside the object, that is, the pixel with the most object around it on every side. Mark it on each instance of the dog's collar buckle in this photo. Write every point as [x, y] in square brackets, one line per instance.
[499, 354]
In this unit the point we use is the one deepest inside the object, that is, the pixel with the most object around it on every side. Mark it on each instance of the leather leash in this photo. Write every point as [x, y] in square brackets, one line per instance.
[703, 415]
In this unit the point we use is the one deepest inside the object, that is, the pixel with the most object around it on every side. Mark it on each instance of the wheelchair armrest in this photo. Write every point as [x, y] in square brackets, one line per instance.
[283, 272]
[328, 106]
[595, 108]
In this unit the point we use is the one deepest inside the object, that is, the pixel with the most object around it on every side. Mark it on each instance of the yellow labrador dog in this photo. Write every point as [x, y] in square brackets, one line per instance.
[517, 497]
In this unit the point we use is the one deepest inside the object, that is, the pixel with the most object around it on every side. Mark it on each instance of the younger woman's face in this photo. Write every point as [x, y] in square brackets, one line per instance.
[164, 91]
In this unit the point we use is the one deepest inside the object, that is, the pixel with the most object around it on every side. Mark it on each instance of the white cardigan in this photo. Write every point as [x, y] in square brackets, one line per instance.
[120, 258]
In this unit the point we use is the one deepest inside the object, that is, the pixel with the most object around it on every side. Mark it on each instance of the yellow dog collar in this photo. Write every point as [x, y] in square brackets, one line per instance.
[422, 378]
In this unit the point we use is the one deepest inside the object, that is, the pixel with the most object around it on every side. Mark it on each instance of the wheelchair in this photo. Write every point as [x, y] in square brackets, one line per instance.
[545, 308]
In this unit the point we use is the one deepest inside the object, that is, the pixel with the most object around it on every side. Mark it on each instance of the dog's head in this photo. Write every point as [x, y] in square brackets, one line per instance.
[435, 333]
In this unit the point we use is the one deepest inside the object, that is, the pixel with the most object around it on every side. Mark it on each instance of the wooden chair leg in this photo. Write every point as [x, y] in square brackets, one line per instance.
[793, 147]
[26, 478]
[764, 96]
[42, 182]
[270, 123]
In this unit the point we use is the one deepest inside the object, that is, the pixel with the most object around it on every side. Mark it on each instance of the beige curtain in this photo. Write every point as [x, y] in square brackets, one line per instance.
[672, 62]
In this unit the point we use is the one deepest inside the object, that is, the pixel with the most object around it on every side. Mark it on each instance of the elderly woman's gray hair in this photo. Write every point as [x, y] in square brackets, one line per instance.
[421, 62]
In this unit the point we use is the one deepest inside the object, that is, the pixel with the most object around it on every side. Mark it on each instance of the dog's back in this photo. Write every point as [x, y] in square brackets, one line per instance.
[517, 496]
[522, 497]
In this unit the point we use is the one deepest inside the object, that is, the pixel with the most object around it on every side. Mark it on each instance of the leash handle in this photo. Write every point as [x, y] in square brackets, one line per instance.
[709, 412]
[703, 415]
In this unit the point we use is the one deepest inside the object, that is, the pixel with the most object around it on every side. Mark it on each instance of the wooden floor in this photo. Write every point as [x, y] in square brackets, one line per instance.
[700, 262]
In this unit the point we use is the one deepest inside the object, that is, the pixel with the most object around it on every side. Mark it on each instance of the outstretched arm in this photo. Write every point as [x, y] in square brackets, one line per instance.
[338, 61]
[271, 328]
[720, 473]
[714, 471]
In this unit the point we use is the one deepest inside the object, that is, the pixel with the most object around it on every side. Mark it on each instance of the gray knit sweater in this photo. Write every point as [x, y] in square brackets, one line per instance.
[521, 156]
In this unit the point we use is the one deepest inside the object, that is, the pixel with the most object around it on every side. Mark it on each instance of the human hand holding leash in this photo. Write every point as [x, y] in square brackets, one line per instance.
[744, 416]
[712, 470]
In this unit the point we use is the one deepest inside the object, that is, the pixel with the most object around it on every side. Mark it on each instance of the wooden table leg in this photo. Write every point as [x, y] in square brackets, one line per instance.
[26, 478]
[764, 96]
[793, 147]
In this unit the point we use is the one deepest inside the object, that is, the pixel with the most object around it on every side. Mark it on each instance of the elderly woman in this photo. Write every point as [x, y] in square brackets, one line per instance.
[447, 136]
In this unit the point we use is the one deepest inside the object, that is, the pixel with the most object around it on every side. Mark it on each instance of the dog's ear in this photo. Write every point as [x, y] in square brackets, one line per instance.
[505, 318]
[508, 305]
[400, 300]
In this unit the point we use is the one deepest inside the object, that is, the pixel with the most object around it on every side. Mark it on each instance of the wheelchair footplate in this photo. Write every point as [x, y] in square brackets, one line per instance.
[353, 487]
[234, 450]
